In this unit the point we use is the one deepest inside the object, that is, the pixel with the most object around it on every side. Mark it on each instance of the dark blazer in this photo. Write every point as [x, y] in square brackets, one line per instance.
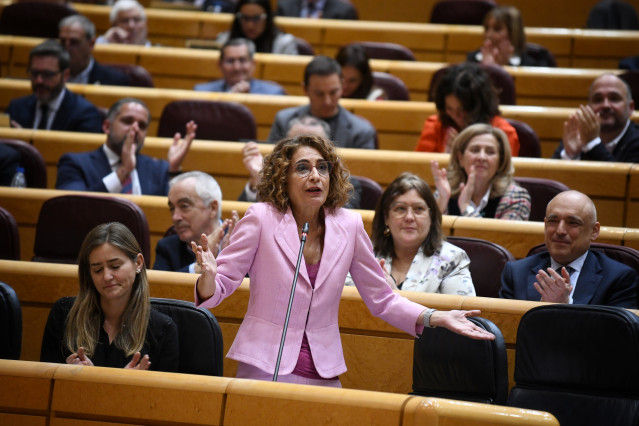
[84, 171]
[172, 254]
[602, 281]
[102, 74]
[333, 9]
[75, 114]
[161, 343]
[347, 131]
[626, 151]
[9, 162]
[543, 59]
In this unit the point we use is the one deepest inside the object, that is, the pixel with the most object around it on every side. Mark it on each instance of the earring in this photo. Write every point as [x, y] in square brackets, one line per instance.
[387, 232]
[137, 271]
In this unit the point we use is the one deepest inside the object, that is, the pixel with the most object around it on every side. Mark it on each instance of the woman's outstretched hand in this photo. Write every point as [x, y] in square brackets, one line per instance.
[79, 358]
[457, 322]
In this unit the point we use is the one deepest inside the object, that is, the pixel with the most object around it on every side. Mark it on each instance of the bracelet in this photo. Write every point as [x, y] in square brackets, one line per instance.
[427, 314]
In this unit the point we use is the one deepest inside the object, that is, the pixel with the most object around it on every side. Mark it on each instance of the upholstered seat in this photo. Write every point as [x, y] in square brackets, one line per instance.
[35, 170]
[64, 221]
[461, 12]
[541, 192]
[33, 18]
[371, 192]
[447, 365]
[529, 145]
[10, 323]
[382, 50]
[201, 347]
[393, 86]
[487, 260]
[9, 235]
[216, 120]
[579, 363]
[138, 75]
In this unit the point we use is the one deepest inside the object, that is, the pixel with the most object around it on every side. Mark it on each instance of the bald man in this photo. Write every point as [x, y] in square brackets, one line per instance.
[569, 272]
[602, 130]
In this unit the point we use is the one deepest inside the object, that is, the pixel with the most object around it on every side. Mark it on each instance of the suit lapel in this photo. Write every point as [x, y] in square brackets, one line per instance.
[60, 119]
[288, 240]
[334, 237]
[589, 280]
[100, 159]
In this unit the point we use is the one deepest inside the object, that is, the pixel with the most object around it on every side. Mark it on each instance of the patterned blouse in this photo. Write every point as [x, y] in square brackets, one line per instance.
[445, 272]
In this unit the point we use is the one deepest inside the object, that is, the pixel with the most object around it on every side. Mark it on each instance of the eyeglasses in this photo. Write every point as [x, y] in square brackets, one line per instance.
[304, 168]
[246, 18]
[126, 20]
[45, 74]
[400, 210]
[231, 61]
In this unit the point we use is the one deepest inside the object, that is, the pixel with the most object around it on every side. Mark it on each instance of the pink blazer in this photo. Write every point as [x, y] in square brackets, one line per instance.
[265, 243]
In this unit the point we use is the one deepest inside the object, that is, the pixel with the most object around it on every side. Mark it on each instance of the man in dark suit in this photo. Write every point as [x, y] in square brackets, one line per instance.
[52, 106]
[77, 36]
[569, 272]
[323, 86]
[602, 130]
[327, 9]
[117, 166]
[195, 202]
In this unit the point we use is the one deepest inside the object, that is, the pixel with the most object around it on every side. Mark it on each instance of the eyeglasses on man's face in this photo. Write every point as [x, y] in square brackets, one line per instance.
[304, 168]
[44, 74]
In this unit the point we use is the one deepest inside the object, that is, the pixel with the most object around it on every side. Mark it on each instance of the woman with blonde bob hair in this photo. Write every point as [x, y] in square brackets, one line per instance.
[111, 323]
[479, 180]
[303, 181]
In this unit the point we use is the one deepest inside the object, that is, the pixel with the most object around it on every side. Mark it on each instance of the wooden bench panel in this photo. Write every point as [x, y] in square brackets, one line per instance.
[141, 397]
[277, 402]
[26, 392]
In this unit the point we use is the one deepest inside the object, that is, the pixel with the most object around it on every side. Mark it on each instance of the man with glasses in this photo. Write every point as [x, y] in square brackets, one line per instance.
[128, 24]
[237, 66]
[52, 106]
[77, 36]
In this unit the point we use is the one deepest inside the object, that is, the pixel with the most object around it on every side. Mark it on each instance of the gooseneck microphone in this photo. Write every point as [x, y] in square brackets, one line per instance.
[290, 300]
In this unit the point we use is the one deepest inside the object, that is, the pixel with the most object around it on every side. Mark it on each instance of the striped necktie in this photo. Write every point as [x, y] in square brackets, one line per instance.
[127, 185]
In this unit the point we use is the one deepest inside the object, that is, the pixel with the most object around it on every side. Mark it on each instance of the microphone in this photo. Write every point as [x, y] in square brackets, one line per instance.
[290, 300]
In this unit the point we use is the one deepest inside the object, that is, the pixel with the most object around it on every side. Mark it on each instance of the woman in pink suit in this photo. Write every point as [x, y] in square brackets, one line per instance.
[303, 181]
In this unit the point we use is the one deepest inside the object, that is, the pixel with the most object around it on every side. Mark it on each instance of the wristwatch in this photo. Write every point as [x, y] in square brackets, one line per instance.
[427, 314]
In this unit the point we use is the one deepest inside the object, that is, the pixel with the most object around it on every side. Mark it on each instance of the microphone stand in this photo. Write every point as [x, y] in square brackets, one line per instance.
[290, 300]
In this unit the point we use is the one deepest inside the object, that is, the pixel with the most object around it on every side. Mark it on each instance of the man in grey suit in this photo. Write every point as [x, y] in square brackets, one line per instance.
[323, 86]
[237, 66]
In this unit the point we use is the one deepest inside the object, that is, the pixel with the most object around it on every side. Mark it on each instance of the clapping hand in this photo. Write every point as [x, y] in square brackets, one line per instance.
[79, 358]
[208, 267]
[441, 184]
[180, 147]
[139, 362]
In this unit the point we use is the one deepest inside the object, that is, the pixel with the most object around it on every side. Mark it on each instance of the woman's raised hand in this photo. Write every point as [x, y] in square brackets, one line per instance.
[139, 362]
[79, 358]
[441, 184]
[466, 191]
[208, 268]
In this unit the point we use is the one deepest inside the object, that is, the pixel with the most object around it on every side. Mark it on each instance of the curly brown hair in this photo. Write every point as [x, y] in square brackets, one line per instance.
[273, 186]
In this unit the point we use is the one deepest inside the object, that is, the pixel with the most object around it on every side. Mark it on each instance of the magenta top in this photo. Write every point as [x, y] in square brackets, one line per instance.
[305, 366]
